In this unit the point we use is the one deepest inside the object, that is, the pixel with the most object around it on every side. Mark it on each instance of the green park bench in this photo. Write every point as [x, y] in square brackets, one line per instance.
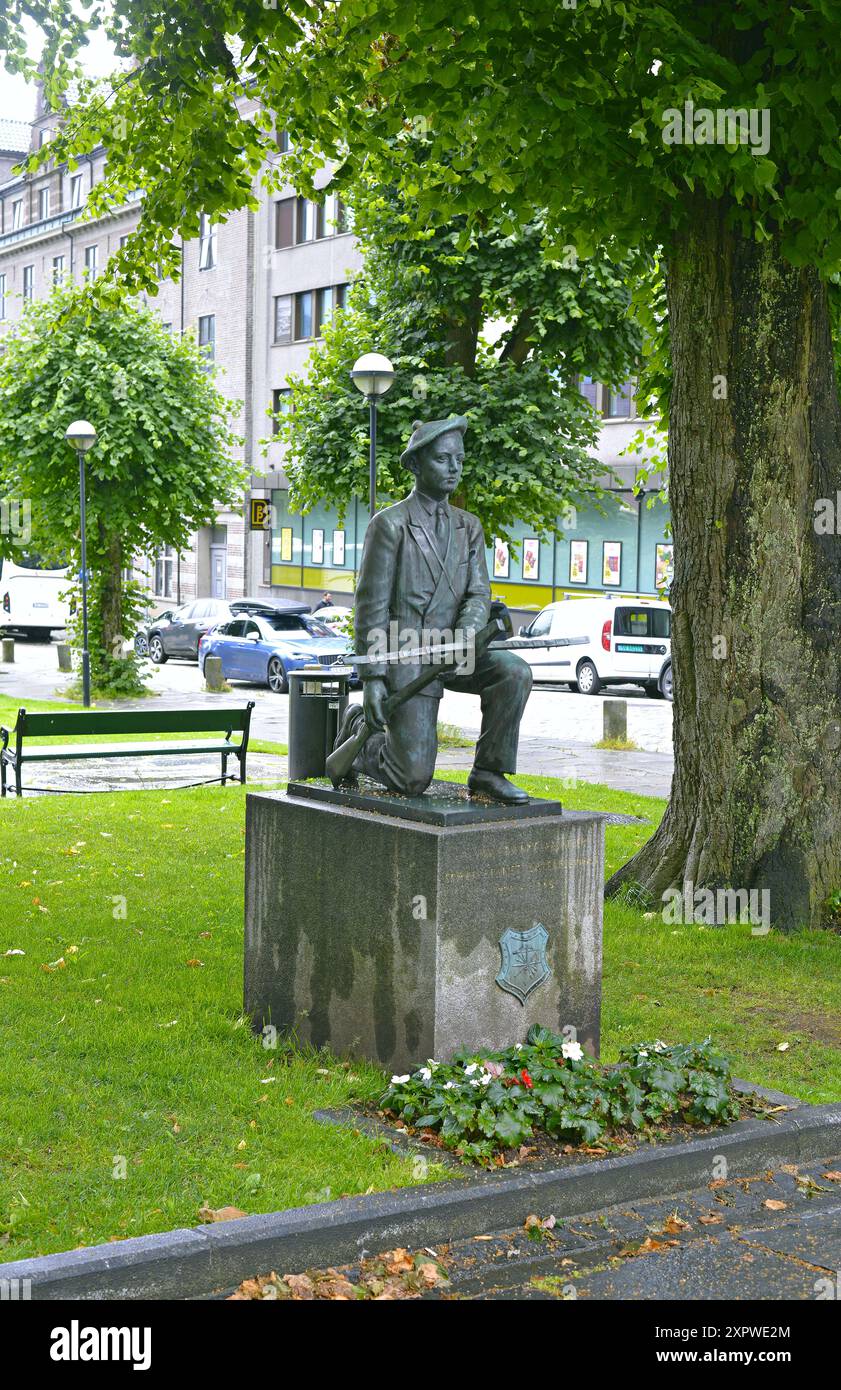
[15, 748]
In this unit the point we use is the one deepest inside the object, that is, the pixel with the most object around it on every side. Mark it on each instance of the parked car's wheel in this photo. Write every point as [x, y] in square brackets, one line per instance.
[141, 644]
[156, 650]
[276, 676]
[666, 682]
[588, 682]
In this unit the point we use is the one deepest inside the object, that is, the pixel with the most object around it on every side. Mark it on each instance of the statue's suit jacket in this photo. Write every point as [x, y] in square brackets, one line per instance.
[402, 580]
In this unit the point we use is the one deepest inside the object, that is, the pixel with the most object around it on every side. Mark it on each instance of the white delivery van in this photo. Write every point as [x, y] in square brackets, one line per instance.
[628, 642]
[30, 597]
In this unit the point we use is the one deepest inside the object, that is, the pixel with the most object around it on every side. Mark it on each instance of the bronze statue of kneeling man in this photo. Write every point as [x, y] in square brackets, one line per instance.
[423, 572]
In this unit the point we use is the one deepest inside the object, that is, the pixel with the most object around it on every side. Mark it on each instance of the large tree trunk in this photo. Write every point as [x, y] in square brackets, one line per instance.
[756, 795]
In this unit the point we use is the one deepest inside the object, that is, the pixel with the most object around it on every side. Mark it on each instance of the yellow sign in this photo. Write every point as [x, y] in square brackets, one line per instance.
[261, 514]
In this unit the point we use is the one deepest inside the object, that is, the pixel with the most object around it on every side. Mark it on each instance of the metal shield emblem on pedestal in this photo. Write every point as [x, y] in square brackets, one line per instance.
[524, 963]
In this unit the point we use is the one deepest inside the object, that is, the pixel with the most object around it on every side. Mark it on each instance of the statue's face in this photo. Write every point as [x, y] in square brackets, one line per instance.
[438, 467]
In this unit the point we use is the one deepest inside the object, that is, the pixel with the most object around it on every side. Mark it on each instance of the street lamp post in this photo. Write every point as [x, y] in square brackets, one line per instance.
[81, 436]
[372, 374]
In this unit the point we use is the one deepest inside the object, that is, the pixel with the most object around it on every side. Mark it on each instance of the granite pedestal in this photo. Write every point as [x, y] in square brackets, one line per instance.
[402, 928]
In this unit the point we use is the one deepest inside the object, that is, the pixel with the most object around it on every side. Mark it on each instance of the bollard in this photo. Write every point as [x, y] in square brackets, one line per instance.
[616, 719]
[9, 650]
[213, 678]
[64, 660]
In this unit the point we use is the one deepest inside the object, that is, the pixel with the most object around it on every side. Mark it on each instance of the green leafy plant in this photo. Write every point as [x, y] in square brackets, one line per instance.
[494, 323]
[162, 464]
[481, 1103]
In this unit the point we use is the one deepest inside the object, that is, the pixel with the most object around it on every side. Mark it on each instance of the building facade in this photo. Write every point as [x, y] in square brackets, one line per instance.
[256, 291]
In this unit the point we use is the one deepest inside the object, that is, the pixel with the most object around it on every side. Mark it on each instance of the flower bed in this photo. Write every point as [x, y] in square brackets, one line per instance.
[479, 1104]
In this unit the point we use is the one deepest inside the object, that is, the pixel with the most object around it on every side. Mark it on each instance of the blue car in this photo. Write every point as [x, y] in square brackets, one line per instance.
[266, 647]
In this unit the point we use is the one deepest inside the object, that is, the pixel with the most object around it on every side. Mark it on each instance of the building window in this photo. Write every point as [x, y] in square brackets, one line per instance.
[43, 137]
[123, 240]
[76, 190]
[28, 281]
[620, 404]
[340, 292]
[283, 318]
[207, 243]
[207, 336]
[165, 572]
[331, 219]
[58, 269]
[284, 222]
[307, 218]
[591, 391]
[284, 144]
[281, 405]
[305, 314]
[17, 214]
[324, 308]
[2, 296]
[43, 203]
[91, 262]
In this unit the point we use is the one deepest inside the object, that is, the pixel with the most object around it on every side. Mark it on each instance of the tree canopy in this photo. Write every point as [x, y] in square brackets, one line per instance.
[490, 325]
[162, 463]
[561, 108]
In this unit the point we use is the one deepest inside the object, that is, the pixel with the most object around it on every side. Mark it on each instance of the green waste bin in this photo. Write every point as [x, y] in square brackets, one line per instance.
[318, 697]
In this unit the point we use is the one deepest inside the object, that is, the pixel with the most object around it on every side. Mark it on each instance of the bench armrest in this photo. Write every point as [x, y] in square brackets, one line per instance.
[4, 738]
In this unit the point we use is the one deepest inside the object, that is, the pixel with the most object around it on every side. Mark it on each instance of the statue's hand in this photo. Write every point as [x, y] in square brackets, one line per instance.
[374, 696]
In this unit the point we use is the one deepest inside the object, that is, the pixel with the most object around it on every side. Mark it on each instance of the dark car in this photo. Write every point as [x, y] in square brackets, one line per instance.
[178, 631]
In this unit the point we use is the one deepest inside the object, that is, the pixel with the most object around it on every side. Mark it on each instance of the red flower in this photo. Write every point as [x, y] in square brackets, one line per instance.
[526, 1079]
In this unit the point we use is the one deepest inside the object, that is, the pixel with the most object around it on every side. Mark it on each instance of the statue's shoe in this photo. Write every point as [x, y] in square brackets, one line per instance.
[497, 787]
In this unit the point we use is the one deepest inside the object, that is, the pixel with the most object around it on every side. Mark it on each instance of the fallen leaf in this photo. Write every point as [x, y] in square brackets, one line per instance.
[833, 1176]
[208, 1214]
[782, 1047]
[773, 1204]
[675, 1225]
[710, 1219]
[397, 1261]
[14, 953]
[194, 961]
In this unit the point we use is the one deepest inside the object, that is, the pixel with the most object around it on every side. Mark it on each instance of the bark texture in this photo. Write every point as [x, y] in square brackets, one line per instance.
[756, 795]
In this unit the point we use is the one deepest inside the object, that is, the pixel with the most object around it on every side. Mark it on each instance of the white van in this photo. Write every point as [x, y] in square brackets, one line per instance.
[30, 598]
[628, 643]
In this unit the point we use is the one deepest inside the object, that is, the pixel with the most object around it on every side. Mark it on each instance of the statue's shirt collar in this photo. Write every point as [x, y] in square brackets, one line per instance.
[429, 504]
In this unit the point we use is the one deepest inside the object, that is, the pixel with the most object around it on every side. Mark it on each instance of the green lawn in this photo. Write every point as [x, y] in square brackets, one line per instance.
[133, 1055]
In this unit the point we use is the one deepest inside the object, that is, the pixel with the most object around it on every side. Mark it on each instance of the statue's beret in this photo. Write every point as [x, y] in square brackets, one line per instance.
[423, 434]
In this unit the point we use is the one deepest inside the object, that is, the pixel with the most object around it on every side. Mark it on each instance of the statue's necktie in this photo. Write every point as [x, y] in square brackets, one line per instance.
[441, 527]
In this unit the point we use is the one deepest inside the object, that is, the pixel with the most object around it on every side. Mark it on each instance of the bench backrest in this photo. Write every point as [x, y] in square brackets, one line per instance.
[72, 723]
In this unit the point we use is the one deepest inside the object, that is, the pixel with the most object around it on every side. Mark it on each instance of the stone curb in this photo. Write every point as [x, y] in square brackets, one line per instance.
[210, 1260]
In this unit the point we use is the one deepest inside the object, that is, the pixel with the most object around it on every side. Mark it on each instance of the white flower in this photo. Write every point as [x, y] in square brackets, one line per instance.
[661, 1046]
[474, 1066]
[642, 1052]
[486, 1078]
[399, 1080]
[518, 1047]
[475, 1081]
[431, 1063]
[425, 1074]
[449, 1085]
[573, 1051]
